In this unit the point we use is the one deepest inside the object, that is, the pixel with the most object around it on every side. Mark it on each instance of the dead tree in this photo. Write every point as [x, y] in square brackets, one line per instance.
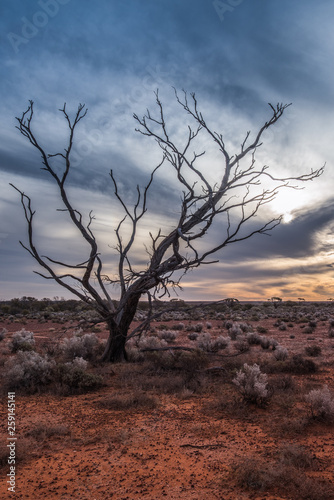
[230, 301]
[239, 191]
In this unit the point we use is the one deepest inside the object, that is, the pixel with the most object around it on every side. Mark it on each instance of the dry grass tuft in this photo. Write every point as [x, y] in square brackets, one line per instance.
[134, 401]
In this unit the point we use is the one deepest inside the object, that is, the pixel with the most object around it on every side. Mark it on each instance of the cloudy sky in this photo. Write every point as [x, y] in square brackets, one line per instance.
[236, 55]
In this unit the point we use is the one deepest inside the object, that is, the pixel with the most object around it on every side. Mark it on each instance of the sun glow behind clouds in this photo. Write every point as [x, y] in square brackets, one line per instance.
[287, 217]
[291, 202]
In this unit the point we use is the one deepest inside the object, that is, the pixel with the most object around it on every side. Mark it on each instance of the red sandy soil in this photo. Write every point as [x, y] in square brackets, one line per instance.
[184, 448]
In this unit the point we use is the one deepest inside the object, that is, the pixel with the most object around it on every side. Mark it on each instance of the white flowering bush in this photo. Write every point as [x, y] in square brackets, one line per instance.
[22, 341]
[80, 346]
[321, 404]
[29, 370]
[252, 384]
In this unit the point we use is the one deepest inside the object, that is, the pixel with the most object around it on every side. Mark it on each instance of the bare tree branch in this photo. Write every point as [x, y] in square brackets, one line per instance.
[233, 199]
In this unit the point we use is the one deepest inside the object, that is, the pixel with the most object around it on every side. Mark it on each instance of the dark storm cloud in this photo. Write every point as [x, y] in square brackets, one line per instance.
[112, 55]
[294, 240]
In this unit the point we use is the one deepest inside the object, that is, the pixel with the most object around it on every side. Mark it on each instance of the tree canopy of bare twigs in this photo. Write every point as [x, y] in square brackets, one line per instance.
[234, 199]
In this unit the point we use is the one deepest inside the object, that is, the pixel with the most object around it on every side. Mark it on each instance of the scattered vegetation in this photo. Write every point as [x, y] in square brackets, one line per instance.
[183, 356]
[32, 372]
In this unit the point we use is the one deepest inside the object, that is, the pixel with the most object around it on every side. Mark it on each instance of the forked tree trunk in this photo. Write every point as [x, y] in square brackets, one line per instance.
[115, 351]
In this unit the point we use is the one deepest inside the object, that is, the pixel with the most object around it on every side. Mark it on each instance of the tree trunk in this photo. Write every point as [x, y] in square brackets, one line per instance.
[115, 351]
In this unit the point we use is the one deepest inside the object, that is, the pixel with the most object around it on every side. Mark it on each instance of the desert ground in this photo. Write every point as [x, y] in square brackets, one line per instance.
[172, 423]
